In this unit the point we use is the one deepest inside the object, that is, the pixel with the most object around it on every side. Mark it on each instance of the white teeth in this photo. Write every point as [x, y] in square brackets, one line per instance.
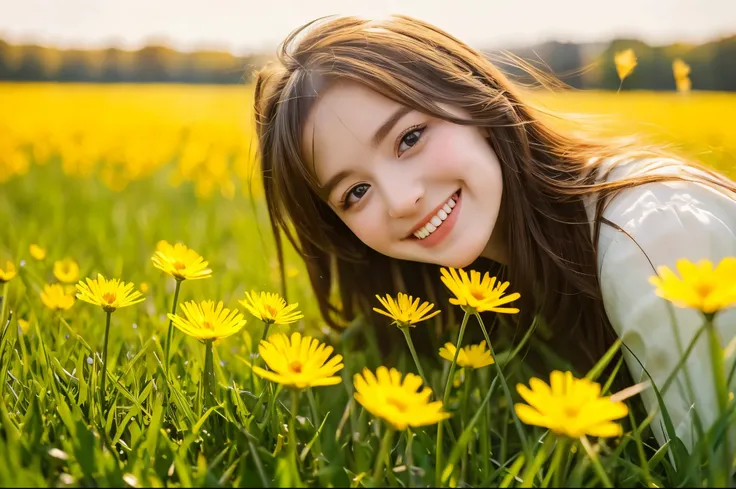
[436, 220]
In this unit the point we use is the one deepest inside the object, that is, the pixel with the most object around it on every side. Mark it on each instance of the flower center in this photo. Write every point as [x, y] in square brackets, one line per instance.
[400, 405]
[478, 294]
[295, 367]
[179, 265]
[109, 297]
[270, 310]
[704, 289]
[208, 325]
[571, 411]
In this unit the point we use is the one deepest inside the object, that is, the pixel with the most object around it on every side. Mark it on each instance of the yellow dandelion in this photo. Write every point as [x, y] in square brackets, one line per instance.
[180, 262]
[56, 298]
[7, 272]
[680, 69]
[569, 406]
[625, 63]
[24, 326]
[66, 270]
[271, 308]
[144, 287]
[701, 287]
[405, 310]
[205, 321]
[37, 253]
[472, 356]
[298, 362]
[164, 246]
[476, 294]
[397, 401]
[109, 294]
[683, 85]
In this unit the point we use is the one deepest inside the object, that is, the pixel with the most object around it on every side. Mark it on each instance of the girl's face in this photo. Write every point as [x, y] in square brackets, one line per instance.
[408, 185]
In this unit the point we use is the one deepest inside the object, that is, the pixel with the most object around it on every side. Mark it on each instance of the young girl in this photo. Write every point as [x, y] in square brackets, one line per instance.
[389, 149]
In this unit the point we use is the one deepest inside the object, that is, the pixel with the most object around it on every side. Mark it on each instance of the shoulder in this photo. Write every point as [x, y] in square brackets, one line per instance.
[648, 226]
[655, 213]
[658, 223]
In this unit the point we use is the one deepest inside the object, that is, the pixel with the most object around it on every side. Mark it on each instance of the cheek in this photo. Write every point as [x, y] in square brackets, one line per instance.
[369, 227]
[455, 151]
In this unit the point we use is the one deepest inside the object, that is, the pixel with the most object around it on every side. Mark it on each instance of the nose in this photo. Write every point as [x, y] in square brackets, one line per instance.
[402, 198]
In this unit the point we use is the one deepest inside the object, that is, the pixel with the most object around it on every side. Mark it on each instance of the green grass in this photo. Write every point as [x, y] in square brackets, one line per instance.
[53, 431]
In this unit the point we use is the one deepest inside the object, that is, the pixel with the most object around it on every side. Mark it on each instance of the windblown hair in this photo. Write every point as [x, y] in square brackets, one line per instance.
[546, 175]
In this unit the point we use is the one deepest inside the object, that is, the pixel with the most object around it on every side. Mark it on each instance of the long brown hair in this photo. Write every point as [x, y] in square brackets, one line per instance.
[546, 174]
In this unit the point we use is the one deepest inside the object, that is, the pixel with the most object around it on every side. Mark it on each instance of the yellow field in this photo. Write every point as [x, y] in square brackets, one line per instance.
[126, 132]
[93, 178]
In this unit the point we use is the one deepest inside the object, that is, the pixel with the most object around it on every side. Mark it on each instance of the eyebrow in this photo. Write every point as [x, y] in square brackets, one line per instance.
[376, 140]
[383, 131]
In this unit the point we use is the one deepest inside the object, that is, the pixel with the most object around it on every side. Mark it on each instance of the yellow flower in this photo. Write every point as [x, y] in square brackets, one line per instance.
[405, 311]
[180, 262]
[66, 271]
[298, 362]
[37, 252]
[7, 272]
[625, 63]
[56, 298]
[143, 287]
[205, 321]
[398, 402]
[164, 246]
[570, 406]
[683, 84]
[271, 308]
[680, 69]
[476, 294]
[109, 294]
[24, 325]
[701, 287]
[473, 356]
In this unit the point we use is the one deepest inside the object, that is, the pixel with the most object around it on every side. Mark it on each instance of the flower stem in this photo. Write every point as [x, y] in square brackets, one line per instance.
[267, 324]
[3, 306]
[208, 376]
[382, 456]
[170, 333]
[104, 363]
[445, 397]
[292, 433]
[719, 377]
[556, 469]
[506, 391]
[467, 390]
[409, 456]
[596, 463]
[407, 335]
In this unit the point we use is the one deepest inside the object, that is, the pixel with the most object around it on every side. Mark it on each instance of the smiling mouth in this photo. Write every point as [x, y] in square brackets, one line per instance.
[434, 221]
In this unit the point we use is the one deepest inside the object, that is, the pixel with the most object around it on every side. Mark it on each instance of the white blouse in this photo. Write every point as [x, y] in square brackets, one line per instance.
[669, 220]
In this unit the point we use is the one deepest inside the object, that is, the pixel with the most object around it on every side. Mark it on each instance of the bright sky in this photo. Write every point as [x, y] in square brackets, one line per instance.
[243, 25]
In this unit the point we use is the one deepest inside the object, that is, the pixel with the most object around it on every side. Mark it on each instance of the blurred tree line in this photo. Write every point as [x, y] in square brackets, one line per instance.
[591, 66]
[587, 66]
[158, 64]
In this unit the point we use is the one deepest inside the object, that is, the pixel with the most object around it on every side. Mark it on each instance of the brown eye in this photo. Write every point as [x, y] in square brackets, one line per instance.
[410, 139]
[354, 195]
